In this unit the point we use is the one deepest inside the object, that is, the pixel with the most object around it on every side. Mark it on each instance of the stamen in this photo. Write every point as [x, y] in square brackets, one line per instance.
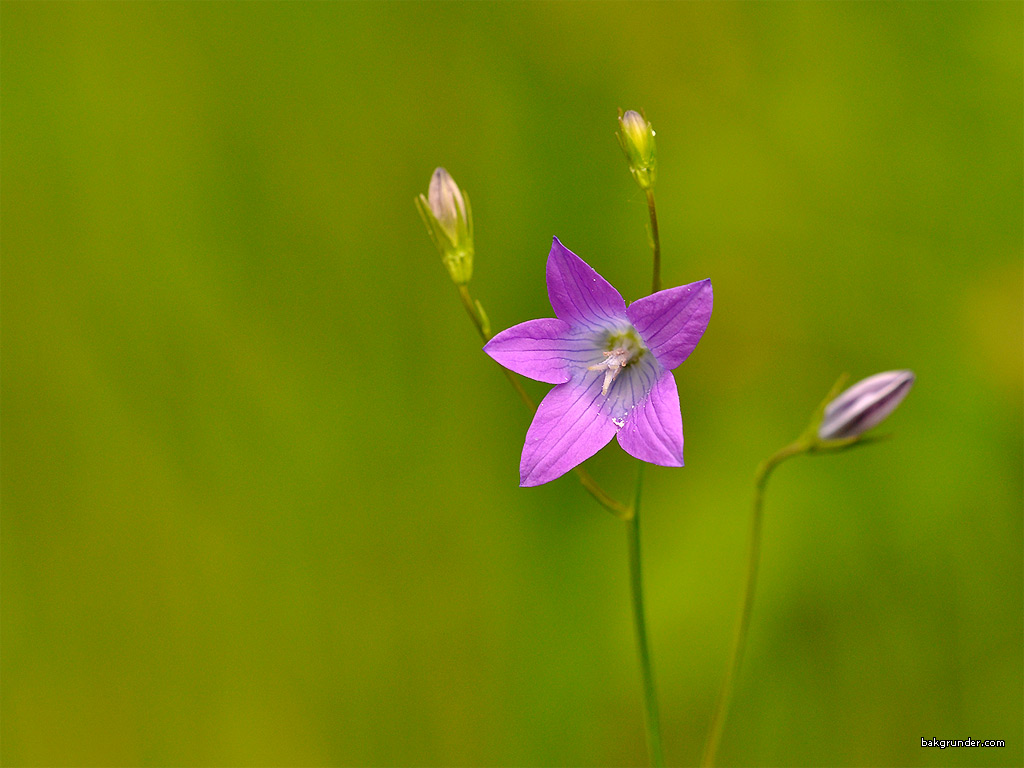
[615, 360]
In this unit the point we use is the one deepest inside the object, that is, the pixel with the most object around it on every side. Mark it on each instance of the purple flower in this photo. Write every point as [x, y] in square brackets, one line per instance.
[612, 364]
[864, 405]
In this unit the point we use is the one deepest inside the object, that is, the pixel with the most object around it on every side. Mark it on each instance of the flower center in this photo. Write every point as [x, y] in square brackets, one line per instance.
[624, 349]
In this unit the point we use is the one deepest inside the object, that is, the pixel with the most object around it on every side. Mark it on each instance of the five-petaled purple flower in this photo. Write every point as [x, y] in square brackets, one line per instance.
[612, 364]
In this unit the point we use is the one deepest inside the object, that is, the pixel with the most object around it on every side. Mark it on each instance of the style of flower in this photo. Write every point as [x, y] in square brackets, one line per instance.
[612, 365]
[864, 405]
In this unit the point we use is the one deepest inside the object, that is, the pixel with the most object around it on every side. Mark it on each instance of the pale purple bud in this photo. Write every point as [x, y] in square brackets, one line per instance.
[446, 203]
[864, 405]
[445, 211]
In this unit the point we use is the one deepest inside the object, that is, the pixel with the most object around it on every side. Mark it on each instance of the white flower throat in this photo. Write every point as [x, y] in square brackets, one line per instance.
[625, 349]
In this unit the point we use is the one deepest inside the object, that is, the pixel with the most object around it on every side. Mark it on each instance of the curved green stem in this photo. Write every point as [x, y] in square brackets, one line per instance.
[652, 720]
[473, 310]
[602, 497]
[743, 620]
[616, 507]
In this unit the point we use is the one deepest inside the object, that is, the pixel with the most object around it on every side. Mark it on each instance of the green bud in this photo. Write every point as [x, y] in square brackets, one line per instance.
[636, 137]
[446, 213]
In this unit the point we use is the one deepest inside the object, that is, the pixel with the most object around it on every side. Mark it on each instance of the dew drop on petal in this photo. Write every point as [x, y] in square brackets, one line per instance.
[618, 422]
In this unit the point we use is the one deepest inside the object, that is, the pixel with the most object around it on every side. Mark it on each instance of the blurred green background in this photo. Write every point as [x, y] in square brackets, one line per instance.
[260, 500]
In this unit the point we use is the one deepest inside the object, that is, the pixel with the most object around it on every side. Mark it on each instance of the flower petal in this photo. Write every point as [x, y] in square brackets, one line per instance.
[578, 294]
[541, 349]
[569, 428]
[653, 430]
[671, 322]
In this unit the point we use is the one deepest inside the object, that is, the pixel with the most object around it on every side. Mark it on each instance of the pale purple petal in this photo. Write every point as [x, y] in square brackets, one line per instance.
[578, 294]
[865, 404]
[653, 430]
[546, 350]
[671, 322]
[569, 428]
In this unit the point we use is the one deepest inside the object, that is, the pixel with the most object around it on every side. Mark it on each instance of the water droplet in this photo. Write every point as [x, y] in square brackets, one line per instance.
[618, 422]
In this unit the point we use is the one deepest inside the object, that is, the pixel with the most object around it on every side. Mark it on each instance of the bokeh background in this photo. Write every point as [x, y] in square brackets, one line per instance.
[260, 500]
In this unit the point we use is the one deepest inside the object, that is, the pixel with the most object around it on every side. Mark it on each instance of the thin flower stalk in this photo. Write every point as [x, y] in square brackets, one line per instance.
[655, 242]
[652, 719]
[839, 423]
[612, 367]
[475, 311]
[739, 640]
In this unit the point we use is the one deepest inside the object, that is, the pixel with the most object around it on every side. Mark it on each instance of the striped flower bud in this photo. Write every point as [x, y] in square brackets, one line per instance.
[864, 405]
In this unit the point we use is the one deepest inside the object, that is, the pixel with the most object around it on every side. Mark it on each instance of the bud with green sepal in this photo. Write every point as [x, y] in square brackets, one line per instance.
[844, 416]
[449, 220]
[636, 137]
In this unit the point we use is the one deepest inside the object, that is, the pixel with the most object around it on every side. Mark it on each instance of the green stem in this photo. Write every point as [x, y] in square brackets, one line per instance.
[743, 620]
[655, 242]
[467, 302]
[601, 496]
[651, 718]
[471, 310]
[614, 506]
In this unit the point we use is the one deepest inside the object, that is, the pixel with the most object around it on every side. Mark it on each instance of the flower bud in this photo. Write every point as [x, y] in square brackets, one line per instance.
[446, 213]
[446, 203]
[864, 405]
[636, 138]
